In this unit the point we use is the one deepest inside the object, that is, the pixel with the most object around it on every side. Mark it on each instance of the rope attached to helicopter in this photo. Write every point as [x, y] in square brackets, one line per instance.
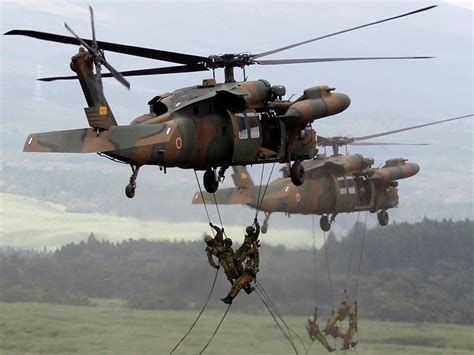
[213, 283]
[260, 291]
[216, 330]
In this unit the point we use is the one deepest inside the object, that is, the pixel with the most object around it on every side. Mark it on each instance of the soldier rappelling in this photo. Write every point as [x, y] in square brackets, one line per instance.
[314, 332]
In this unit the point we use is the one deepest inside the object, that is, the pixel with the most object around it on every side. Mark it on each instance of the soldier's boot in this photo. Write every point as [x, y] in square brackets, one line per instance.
[249, 289]
[330, 350]
[354, 343]
[227, 299]
[345, 346]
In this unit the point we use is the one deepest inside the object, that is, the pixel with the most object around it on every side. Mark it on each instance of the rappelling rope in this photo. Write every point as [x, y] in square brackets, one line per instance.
[219, 213]
[265, 190]
[272, 304]
[360, 256]
[259, 190]
[352, 251]
[287, 336]
[199, 315]
[315, 262]
[204, 202]
[329, 272]
[217, 329]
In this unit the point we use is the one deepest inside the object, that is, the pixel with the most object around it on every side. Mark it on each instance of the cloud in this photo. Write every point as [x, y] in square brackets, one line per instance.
[64, 9]
[55, 8]
[467, 4]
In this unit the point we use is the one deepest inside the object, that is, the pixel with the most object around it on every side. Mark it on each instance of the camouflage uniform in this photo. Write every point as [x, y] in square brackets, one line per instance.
[249, 274]
[250, 238]
[227, 260]
[314, 332]
[334, 330]
[215, 245]
[340, 315]
[352, 329]
[211, 250]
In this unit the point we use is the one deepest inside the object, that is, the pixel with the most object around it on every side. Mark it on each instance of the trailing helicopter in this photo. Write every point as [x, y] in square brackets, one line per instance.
[206, 127]
[335, 184]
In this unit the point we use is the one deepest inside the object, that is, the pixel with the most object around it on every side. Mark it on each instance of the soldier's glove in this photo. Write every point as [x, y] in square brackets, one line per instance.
[217, 267]
[255, 220]
[210, 223]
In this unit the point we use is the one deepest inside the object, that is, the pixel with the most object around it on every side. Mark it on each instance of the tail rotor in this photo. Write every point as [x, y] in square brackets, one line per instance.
[98, 56]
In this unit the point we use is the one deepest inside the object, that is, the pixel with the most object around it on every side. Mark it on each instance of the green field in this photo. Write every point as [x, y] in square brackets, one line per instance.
[111, 328]
[29, 223]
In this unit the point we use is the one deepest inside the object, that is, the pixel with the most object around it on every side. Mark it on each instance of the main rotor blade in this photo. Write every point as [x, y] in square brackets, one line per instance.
[80, 40]
[319, 60]
[116, 74]
[339, 32]
[166, 56]
[385, 143]
[93, 26]
[356, 139]
[140, 72]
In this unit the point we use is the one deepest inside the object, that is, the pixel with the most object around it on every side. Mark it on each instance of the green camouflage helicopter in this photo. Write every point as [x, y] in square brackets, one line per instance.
[336, 184]
[205, 127]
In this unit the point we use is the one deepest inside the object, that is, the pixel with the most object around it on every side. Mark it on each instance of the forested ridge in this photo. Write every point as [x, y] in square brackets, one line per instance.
[421, 272]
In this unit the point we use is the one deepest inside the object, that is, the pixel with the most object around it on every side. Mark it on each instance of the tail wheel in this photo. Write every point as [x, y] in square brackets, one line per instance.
[211, 184]
[297, 173]
[324, 223]
[383, 218]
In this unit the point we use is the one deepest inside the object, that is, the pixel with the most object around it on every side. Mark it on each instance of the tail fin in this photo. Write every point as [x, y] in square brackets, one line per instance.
[98, 113]
[241, 177]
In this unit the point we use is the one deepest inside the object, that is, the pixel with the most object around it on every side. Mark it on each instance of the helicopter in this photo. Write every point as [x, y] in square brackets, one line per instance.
[207, 127]
[335, 184]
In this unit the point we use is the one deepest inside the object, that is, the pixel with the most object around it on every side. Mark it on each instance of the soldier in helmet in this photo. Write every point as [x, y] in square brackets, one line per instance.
[214, 245]
[249, 273]
[314, 332]
[212, 250]
[219, 238]
[352, 329]
[341, 313]
[251, 237]
[227, 261]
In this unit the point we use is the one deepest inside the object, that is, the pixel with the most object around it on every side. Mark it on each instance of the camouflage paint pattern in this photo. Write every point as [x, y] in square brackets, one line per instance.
[192, 128]
[323, 192]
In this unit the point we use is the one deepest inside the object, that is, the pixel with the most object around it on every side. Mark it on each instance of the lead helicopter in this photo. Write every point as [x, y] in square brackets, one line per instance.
[204, 127]
[334, 184]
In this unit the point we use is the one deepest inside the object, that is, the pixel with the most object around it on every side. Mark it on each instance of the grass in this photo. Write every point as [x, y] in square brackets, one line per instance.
[111, 328]
[48, 224]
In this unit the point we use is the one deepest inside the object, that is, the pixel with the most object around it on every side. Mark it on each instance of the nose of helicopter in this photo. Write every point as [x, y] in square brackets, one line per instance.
[343, 101]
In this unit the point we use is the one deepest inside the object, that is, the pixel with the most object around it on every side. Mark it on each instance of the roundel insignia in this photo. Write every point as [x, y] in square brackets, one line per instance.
[179, 143]
[298, 197]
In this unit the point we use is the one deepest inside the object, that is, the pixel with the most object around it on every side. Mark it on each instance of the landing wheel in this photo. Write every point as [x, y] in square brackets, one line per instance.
[324, 223]
[130, 188]
[210, 181]
[130, 191]
[383, 218]
[297, 173]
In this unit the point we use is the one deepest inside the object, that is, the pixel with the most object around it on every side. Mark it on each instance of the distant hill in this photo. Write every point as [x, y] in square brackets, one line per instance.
[418, 272]
[34, 223]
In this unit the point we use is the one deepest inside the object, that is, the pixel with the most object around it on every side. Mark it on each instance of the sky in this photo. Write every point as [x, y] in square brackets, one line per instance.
[385, 95]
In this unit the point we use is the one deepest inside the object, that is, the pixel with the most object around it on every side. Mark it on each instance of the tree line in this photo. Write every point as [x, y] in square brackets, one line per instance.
[419, 272]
